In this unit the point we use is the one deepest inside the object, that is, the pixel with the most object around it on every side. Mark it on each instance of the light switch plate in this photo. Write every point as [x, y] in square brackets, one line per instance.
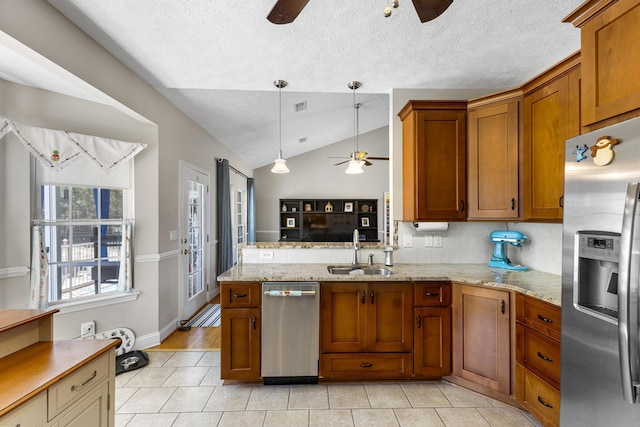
[428, 241]
[173, 235]
[437, 241]
[408, 241]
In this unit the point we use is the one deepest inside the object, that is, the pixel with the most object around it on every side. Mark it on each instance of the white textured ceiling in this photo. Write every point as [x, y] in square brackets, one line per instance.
[216, 60]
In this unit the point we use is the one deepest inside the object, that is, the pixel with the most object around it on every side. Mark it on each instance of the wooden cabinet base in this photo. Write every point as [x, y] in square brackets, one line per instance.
[366, 366]
[537, 396]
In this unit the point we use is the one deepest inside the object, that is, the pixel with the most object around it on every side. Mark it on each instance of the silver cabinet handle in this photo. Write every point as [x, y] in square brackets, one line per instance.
[78, 387]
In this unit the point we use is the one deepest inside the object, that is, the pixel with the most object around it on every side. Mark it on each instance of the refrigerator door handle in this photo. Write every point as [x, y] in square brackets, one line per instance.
[628, 299]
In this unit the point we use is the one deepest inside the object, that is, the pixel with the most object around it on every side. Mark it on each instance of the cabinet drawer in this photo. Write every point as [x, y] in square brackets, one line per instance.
[30, 413]
[538, 397]
[68, 390]
[367, 365]
[538, 353]
[240, 295]
[432, 294]
[541, 316]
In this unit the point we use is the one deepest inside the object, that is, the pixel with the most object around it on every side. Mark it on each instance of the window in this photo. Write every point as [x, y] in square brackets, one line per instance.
[84, 230]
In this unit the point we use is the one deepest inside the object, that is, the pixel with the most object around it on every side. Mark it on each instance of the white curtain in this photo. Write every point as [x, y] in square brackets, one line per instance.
[38, 292]
[125, 273]
[57, 149]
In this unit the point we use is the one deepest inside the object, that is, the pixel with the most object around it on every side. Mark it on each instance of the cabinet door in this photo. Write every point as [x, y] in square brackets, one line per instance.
[389, 322]
[611, 84]
[344, 317]
[482, 351]
[551, 117]
[91, 411]
[434, 165]
[493, 162]
[240, 352]
[432, 342]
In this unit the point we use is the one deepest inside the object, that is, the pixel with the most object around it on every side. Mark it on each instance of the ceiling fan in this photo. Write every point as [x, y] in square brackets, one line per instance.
[286, 11]
[357, 158]
[361, 155]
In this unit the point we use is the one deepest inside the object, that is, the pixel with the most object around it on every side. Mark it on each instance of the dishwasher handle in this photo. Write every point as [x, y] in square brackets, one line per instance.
[289, 293]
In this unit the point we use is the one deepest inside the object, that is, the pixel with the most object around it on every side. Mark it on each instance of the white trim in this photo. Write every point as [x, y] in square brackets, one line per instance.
[157, 257]
[8, 272]
[101, 301]
[147, 341]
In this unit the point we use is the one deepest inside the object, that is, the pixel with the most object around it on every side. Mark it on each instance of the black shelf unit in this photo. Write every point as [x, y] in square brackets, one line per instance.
[328, 220]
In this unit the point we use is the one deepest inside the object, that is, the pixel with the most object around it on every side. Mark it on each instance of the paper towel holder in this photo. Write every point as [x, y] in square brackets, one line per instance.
[431, 226]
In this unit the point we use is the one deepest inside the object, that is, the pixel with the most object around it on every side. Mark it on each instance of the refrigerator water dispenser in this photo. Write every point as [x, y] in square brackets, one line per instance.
[595, 290]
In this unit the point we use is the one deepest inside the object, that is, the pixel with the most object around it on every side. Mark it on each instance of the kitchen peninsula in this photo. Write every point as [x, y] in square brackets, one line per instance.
[493, 331]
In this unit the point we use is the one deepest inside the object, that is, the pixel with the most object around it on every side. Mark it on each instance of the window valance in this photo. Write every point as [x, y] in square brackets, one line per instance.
[56, 149]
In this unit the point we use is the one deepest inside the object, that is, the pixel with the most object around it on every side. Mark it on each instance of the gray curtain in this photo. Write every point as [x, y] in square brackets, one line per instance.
[251, 215]
[223, 210]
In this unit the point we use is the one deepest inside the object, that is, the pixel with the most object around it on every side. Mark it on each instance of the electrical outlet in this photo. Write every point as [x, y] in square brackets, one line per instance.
[87, 329]
[437, 241]
[428, 241]
[408, 240]
[266, 255]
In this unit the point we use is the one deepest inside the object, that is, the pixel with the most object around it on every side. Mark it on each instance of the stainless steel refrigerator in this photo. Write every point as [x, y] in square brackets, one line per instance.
[600, 277]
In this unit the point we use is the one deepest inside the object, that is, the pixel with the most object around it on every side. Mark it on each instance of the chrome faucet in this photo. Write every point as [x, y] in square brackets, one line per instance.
[356, 248]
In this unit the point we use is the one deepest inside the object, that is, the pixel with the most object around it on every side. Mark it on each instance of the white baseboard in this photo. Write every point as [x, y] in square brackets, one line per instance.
[155, 338]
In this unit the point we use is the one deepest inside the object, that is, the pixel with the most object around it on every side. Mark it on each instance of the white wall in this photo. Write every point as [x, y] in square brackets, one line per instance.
[314, 176]
[171, 137]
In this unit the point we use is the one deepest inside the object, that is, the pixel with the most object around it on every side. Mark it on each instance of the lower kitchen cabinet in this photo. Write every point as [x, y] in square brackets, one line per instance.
[367, 330]
[432, 342]
[432, 330]
[240, 347]
[538, 358]
[240, 330]
[481, 337]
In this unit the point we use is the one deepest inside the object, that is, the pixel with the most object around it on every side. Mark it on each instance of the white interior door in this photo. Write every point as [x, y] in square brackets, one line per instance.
[194, 211]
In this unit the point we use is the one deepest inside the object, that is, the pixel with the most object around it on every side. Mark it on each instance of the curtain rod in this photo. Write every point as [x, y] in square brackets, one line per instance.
[234, 169]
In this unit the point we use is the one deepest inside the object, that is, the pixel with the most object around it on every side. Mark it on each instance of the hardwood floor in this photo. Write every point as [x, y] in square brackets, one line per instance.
[195, 339]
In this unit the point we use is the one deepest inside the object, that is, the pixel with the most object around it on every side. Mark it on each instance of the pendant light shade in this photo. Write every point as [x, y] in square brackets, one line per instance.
[355, 167]
[280, 164]
[356, 163]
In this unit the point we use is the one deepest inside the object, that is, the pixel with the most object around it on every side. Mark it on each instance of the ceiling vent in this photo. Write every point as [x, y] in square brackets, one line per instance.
[302, 140]
[300, 106]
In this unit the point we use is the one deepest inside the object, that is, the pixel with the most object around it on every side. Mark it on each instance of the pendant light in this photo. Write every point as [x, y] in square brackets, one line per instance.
[355, 164]
[280, 166]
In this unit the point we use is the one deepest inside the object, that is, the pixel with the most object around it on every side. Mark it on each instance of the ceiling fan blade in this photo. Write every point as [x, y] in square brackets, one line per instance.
[430, 9]
[286, 11]
[377, 158]
[346, 161]
[367, 163]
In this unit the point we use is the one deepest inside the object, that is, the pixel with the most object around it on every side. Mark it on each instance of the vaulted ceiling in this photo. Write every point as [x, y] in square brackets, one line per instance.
[217, 60]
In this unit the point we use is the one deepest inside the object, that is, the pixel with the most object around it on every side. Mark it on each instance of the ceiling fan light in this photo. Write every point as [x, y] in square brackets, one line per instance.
[387, 12]
[355, 167]
[280, 166]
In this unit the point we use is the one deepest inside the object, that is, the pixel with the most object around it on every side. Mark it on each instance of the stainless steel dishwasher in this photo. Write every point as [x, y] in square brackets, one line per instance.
[290, 332]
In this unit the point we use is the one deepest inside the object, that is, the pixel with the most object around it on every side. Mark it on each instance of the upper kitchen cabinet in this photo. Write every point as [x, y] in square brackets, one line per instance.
[551, 116]
[493, 157]
[434, 160]
[610, 70]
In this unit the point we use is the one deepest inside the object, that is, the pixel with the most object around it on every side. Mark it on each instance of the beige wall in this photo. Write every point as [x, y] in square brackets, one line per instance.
[171, 137]
[314, 176]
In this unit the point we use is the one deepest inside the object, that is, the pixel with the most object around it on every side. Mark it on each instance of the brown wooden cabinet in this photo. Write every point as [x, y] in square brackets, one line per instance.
[434, 160]
[538, 358]
[240, 330]
[481, 337]
[367, 330]
[610, 36]
[493, 146]
[432, 330]
[551, 116]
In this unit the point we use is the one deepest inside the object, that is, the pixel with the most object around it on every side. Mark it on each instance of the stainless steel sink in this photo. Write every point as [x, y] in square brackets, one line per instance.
[355, 271]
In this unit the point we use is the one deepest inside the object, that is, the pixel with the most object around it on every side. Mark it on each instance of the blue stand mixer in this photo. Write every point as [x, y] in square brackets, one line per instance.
[499, 258]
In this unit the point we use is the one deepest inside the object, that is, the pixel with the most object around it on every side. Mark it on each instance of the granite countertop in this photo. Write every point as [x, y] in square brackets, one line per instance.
[544, 286]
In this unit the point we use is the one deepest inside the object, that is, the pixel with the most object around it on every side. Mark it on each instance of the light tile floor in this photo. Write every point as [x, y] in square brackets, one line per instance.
[185, 389]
